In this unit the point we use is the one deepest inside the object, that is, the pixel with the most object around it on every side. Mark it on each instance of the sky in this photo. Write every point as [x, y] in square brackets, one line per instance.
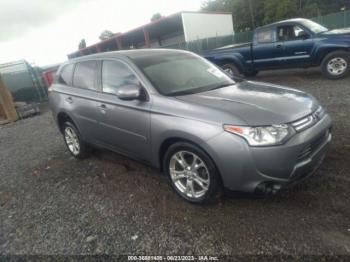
[44, 31]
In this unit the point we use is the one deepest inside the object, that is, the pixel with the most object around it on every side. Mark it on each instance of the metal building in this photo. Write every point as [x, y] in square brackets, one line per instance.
[166, 32]
[23, 81]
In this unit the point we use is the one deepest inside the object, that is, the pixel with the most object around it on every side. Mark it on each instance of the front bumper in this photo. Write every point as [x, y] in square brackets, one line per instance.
[250, 169]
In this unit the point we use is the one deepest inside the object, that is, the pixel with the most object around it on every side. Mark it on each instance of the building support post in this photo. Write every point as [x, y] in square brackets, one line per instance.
[146, 36]
[119, 43]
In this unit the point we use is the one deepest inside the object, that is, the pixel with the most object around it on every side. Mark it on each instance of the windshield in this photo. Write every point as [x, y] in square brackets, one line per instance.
[314, 27]
[181, 73]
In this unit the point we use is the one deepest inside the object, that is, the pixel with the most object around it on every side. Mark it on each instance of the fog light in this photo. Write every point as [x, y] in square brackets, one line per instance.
[267, 188]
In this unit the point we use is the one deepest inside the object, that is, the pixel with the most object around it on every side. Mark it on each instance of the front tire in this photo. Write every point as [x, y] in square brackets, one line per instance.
[336, 65]
[76, 146]
[192, 173]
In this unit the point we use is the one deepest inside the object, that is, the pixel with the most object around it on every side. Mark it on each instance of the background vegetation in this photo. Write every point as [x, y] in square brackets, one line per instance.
[248, 14]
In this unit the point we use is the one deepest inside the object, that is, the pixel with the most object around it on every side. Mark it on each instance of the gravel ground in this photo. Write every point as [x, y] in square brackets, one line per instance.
[51, 203]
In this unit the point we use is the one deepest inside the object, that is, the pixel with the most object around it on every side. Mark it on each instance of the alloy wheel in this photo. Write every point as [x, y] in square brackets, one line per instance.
[189, 174]
[72, 140]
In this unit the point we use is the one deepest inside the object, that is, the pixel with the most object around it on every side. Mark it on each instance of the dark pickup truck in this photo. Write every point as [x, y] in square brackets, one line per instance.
[291, 43]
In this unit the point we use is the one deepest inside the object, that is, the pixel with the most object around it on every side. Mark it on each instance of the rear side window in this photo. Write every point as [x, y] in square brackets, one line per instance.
[116, 74]
[85, 75]
[66, 75]
[265, 36]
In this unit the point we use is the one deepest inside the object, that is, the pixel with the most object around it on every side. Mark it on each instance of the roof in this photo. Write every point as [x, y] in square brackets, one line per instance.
[283, 22]
[129, 53]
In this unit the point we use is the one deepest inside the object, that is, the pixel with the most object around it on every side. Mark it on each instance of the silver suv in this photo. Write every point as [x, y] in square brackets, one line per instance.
[182, 114]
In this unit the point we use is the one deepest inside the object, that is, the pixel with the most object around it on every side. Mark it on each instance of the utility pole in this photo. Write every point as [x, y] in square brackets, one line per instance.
[251, 13]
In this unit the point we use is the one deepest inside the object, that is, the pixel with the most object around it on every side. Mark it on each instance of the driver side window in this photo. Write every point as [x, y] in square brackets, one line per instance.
[115, 75]
[290, 33]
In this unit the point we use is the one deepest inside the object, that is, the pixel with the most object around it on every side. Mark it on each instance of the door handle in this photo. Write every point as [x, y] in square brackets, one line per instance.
[103, 106]
[279, 46]
[69, 99]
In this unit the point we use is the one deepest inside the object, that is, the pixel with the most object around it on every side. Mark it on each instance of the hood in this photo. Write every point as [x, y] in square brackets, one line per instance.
[256, 103]
[337, 32]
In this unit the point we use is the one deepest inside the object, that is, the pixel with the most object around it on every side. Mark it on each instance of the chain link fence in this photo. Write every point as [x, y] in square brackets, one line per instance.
[331, 21]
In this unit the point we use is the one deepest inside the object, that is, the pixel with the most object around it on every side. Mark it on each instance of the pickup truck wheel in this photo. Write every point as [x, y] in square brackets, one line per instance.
[251, 73]
[231, 70]
[336, 65]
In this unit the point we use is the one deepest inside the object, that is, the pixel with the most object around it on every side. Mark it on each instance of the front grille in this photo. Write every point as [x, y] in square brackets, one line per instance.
[313, 146]
[310, 120]
[303, 123]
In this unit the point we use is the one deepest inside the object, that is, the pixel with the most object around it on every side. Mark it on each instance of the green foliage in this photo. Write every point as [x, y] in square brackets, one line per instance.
[278, 10]
[82, 44]
[248, 14]
[156, 16]
[106, 34]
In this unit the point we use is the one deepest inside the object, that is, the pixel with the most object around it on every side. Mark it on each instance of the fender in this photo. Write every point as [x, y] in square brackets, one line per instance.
[182, 133]
[324, 48]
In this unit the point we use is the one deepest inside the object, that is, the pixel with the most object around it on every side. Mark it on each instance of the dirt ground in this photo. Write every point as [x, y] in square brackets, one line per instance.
[51, 203]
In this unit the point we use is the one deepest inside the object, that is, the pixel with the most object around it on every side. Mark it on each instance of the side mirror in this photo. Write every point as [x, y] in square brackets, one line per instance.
[303, 35]
[129, 92]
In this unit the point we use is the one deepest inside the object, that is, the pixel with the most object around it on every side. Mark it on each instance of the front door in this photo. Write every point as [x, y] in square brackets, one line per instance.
[124, 125]
[296, 46]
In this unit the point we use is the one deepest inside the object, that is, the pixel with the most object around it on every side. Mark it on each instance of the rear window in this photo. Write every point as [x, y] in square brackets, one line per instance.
[265, 36]
[66, 75]
[85, 75]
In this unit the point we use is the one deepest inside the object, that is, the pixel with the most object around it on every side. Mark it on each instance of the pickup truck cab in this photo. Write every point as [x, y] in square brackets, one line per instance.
[291, 43]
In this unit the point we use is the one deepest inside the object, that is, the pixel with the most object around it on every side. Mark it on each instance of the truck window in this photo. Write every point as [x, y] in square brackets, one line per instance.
[85, 75]
[66, 75]
[265, 36]
[289, 33]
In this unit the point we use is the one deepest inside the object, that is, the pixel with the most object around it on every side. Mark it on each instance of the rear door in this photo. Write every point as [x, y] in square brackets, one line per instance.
[265, 49]
[81, 101]
[124, 125]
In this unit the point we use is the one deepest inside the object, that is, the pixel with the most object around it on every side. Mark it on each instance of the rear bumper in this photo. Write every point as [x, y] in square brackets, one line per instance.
[251, 169]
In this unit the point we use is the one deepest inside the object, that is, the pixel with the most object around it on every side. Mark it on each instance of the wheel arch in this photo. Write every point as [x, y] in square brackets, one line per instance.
[63, 117]
[172, 140]
[323, 53]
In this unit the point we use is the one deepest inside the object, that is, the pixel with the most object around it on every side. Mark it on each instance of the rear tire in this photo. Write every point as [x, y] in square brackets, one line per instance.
[232, 70]
[75, 145]
[336, 65]
[251, 73]
[192, 174]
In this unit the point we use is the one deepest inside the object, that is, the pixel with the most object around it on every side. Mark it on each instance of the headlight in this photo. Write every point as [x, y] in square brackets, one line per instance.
[261, 136]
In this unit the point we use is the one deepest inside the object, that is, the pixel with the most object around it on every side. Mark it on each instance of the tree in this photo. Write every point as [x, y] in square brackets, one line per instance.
[155, 17]
[248, 14]
[275, 10]
[106, 34]
[82, 44]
